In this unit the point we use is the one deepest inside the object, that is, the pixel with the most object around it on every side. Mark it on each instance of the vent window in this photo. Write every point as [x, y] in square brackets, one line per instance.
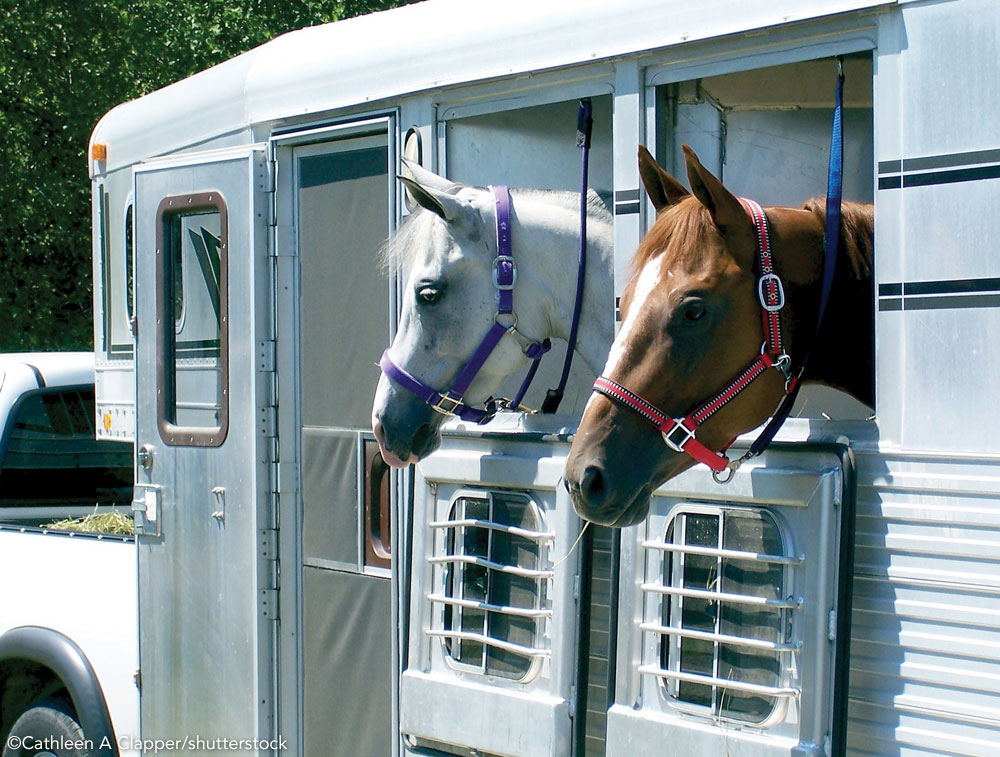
[492, 571]
[724, 616]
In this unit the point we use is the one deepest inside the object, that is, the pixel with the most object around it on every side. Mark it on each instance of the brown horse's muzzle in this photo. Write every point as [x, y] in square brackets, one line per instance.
[616, 461]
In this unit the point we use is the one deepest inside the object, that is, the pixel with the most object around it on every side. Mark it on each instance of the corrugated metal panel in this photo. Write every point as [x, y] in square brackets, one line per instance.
[937, 95]
[925, 650]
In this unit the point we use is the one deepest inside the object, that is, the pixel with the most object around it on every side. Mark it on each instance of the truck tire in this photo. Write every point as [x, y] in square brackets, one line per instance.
[46, 729]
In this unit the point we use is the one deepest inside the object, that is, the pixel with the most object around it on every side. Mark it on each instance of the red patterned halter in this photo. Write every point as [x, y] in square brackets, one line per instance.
[679, 433]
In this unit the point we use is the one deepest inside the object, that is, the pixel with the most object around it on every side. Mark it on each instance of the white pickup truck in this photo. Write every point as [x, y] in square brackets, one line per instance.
[68, 619]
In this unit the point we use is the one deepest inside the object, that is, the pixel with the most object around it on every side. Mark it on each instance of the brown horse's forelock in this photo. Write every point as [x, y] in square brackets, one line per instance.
[681, 231]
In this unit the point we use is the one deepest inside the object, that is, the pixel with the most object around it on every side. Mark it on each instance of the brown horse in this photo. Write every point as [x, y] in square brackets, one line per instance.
[691, 321]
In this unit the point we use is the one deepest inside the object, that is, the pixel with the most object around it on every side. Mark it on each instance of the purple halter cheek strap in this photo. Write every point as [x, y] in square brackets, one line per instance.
[504, 279]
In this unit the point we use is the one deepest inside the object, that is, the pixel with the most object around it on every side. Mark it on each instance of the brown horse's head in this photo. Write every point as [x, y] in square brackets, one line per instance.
[691, 322]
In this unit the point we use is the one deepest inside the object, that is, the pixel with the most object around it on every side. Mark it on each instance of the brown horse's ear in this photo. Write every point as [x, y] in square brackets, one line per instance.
[727, 211]
[662, 188]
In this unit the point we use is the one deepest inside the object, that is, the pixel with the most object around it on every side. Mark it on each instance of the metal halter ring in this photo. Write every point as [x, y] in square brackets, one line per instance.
[733, 466]
[513, 325]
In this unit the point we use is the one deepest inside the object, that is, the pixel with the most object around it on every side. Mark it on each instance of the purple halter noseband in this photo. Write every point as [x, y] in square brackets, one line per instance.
[450, 402]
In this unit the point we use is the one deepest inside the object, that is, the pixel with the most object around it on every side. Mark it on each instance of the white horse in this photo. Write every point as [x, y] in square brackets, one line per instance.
[449, 301]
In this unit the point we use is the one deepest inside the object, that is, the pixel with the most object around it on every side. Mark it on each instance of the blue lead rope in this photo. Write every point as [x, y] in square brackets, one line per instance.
[834, 194]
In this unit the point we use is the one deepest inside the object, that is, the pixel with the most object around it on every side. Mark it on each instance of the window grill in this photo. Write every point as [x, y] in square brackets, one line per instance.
[723, 617]
[492, 565]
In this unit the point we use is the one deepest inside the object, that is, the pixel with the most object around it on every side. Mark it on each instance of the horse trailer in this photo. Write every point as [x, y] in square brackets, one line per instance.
[838, 596]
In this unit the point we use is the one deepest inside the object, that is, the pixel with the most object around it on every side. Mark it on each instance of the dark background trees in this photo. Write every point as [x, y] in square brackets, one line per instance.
[63, 64]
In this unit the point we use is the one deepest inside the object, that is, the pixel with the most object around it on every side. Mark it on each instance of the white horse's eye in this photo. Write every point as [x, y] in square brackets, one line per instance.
[428, 295]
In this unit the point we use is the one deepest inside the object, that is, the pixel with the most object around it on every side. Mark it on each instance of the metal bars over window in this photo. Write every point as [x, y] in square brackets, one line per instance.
[723, 626]
[494, 569]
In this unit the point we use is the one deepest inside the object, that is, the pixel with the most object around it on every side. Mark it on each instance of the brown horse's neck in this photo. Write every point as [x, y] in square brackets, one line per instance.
[842, 353]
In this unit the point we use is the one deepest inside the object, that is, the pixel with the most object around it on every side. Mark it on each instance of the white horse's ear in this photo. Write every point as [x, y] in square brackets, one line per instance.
[451, 208]
[416, 172]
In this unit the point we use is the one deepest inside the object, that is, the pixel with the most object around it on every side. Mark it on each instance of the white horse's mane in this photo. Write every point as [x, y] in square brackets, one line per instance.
[411, 236]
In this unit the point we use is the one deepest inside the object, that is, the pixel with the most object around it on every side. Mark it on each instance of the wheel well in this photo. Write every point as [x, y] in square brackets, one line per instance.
[22, 683]
[38, 663]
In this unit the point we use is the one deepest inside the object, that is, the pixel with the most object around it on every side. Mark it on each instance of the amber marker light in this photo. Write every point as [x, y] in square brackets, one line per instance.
[99, 151]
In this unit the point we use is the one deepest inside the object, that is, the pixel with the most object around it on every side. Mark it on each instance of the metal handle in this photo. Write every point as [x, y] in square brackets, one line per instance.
[378, 515]
[145, 457]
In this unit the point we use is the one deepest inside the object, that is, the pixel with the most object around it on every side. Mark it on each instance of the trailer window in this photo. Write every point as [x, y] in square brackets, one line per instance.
[193, 391]
[724, 613]
[52, 458]
[129, 266]
[493, 591]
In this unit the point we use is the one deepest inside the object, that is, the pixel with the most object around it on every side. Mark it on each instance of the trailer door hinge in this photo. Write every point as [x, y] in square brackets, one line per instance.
[831, 625]
[268, 181]
[265, 355]
[269, 603]
[268, 420]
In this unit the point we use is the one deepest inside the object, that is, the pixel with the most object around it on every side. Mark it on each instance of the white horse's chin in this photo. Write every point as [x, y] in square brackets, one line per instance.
[391, 459]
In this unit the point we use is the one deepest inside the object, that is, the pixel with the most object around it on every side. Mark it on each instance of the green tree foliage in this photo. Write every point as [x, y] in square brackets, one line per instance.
[63, 64]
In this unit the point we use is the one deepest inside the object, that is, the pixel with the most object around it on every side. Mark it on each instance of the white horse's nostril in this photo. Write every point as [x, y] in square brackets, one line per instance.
[392, 459]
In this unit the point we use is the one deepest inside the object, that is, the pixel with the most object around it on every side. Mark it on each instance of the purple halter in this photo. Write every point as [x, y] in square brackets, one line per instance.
[504, 278]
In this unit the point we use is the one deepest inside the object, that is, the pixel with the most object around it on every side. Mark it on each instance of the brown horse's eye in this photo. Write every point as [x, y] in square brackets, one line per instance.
[694, 312]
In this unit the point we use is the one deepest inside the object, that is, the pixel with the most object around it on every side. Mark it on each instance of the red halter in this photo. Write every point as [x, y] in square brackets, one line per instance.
[679, 433]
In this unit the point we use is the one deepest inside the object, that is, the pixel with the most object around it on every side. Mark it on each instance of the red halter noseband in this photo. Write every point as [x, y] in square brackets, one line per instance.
[679, 433]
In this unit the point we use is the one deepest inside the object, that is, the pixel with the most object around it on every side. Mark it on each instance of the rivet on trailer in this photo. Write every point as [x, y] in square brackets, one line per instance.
[834, 597]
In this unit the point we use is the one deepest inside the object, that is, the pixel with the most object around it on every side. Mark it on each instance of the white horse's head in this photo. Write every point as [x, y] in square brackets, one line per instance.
[447, 306]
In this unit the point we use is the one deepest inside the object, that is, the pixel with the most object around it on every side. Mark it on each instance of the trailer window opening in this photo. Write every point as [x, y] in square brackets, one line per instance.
[192, 247]
[724, 614]
[105, 247]
[495, 570]
[53, 458]
[129, 265]
[723, 117]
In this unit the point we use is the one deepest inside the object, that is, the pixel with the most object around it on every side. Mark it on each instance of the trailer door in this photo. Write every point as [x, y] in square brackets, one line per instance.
[204, 639]
[334, 208]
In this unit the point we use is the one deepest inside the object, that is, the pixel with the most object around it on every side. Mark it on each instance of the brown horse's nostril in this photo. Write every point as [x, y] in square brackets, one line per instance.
[592, 486]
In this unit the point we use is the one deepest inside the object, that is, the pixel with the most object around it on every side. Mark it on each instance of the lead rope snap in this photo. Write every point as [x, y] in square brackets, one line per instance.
[731, 468]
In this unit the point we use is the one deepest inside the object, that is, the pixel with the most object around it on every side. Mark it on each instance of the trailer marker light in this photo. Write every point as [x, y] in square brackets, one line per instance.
[99, 151]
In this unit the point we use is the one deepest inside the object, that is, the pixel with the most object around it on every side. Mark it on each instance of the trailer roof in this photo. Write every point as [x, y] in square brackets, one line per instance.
[425, 46]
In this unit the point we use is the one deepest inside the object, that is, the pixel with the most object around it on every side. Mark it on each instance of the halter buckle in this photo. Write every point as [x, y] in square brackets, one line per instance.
[668, 436]
[496, 272]
[447, 398]
[763, 297]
